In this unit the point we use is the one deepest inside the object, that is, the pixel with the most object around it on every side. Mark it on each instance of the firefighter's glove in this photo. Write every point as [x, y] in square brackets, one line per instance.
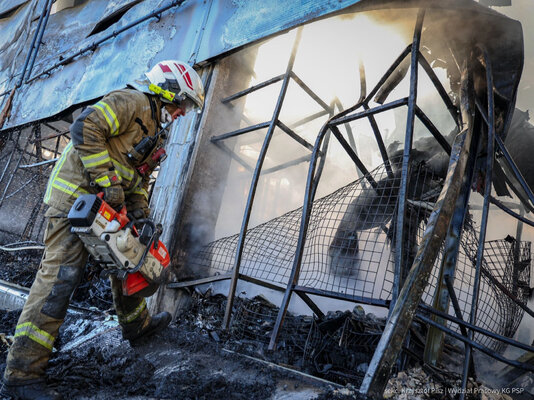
[138, 213]
[114, 196]
[137, 207]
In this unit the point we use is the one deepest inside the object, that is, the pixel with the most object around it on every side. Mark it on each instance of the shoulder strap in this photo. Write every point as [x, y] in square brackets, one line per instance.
[154, 111]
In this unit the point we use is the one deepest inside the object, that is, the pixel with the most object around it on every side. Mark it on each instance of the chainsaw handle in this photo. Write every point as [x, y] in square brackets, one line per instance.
[121, 216]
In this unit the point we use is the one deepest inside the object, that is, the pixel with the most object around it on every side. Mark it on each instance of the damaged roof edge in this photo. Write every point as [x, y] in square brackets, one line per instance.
[197, 31]
[9, 6]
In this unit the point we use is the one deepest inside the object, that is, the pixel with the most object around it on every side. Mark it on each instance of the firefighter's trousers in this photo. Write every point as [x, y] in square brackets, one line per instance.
[61, 270]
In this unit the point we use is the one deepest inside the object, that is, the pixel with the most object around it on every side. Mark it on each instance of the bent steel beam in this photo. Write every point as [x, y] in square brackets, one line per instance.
[401, 263]
[490, 155]
[403, 312]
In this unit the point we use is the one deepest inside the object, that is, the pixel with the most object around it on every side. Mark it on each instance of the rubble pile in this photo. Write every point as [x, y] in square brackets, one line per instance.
[338, 348]
[416, 384]
[196, 359]
[19, 268]
[93, 293]
[92, 361]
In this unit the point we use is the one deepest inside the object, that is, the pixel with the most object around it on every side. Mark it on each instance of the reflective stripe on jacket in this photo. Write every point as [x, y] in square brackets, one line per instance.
[97, 156]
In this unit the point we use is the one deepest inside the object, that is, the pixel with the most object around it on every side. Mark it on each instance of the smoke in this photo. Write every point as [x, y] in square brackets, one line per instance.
[327, 62]
[329, 66]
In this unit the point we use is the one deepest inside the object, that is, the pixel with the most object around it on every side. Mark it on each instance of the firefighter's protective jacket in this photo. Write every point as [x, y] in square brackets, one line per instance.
[97, 156]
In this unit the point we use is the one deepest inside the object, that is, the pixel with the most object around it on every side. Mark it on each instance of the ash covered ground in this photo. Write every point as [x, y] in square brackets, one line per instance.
[21, 267]
[186, 361]
[183, 362]
[195, 359]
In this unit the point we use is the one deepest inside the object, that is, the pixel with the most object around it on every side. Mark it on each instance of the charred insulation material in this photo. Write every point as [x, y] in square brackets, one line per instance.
[19, 268]
[93, 293]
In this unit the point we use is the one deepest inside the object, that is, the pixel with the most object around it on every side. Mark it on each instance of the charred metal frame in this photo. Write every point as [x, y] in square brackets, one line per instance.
[271, 126]
[452, 205]
[313, 177]
[16, 162]
[462, 159]
[445, 223]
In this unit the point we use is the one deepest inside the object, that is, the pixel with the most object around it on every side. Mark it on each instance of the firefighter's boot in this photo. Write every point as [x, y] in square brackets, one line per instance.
[134, 318]
[31, 390]
[157, 323]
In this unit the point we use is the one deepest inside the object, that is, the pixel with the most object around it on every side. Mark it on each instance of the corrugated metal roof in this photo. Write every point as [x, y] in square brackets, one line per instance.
[195, 31]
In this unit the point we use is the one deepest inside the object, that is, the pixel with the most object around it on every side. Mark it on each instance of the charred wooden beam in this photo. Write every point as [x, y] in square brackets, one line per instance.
[403, 312]
[442, 296]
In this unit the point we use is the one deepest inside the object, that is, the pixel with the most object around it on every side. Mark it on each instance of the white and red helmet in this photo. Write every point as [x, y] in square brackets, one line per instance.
[174, 82]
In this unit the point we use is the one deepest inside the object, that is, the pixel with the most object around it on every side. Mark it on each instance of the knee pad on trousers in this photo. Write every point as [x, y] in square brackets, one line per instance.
[57, 302]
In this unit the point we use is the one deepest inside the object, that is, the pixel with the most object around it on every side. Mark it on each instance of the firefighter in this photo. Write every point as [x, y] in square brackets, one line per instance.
[96, 160]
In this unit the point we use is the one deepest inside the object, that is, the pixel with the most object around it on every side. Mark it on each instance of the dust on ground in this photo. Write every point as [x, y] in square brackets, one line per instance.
[195, 359]
[91, 361]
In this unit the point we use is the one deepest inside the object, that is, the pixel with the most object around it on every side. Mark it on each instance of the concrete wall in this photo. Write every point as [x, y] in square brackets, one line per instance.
[188, 193]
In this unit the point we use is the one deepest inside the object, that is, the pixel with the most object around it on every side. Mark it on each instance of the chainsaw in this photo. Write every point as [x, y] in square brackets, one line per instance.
[136, 256]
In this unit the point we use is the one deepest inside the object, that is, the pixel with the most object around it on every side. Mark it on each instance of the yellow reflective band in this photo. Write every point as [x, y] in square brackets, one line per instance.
[55, 171]
[124, 172]
[103, 181]
[68, 187]
[141, 191]
[94, 160]
[109, 115]
[135, 186]
[135, 313]
[34, 333]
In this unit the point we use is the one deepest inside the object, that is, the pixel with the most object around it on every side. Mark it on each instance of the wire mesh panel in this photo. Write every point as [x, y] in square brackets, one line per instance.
[350, 248]
[253, 325]
[26, 159]
[506, 265]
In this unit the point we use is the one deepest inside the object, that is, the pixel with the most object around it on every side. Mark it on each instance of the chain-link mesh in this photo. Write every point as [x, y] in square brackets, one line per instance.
[350, 249]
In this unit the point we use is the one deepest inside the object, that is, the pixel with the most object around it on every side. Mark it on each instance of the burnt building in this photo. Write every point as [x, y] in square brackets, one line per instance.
[364, 151]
